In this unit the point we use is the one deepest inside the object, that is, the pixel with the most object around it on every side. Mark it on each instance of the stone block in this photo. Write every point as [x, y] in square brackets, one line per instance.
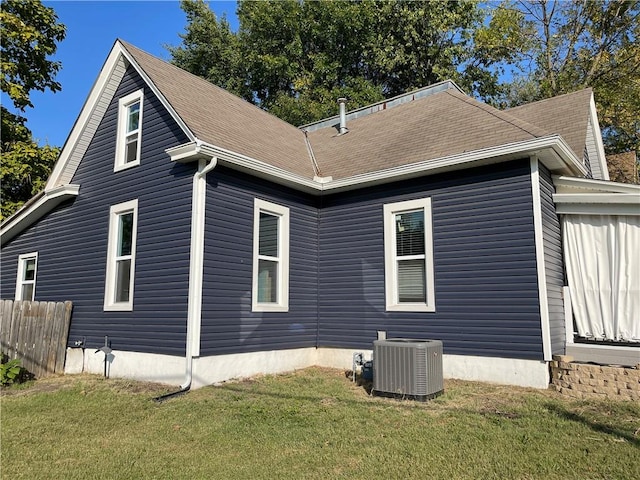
[565, 358]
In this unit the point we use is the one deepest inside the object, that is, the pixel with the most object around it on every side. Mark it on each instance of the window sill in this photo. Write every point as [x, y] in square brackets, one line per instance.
[119, 307]
[124, 166]
[270, 308]
[411, 307]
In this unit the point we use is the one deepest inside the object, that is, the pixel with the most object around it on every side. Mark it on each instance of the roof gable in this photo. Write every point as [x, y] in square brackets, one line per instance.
[205, 112]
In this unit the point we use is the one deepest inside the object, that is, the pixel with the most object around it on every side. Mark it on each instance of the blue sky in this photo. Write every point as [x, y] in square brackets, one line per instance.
[92, 28]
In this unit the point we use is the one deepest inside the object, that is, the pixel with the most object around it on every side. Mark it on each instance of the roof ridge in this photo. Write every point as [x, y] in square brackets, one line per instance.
[550, 99]
[526, 127]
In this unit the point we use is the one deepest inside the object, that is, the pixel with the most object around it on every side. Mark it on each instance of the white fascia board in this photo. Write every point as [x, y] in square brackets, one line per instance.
[196, 150]
[562, 154]
[551, 150]
[36, 209]
[85, 114]
[564, 183]
[608, 198]
[595, 125]
[597, 204]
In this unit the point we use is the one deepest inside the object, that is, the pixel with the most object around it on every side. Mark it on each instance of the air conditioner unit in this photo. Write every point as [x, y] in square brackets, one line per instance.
[407, 368]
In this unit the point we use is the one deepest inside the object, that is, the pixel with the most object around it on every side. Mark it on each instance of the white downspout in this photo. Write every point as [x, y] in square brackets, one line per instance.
[196, 260]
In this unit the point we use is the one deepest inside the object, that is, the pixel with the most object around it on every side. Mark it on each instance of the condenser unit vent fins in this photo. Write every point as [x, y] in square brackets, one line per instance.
[407, 368]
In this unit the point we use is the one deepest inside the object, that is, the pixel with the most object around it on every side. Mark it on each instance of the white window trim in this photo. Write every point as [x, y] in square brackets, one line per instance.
[19, 282]
[282, 304]
[110, 279]
[124, 103]
[390, 263]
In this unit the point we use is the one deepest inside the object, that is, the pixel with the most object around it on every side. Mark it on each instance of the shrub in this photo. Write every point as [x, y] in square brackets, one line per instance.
[10, 370]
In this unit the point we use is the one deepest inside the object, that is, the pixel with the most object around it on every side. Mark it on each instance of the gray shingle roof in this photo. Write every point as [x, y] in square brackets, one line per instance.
[439, 125]
[567, 115]
[443, 124]
[220, 118]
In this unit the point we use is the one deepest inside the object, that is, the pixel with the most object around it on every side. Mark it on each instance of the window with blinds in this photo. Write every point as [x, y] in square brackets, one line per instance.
[409, 256]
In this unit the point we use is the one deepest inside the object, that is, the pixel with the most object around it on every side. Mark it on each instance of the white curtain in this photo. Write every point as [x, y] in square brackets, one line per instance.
[602, 254]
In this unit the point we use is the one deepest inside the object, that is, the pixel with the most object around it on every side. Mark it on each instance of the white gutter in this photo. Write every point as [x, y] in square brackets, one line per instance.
[194, 306]
[594, 186]
[464, 160]
[552, 151]
[196, 150]
[35, 209]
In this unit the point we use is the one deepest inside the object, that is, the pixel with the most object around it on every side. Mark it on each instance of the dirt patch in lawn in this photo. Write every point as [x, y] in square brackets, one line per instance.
[88, 382]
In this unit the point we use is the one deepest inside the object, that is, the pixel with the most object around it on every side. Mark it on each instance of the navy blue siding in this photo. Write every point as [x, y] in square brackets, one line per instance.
[72, 241]
[228, 324]
[485, 265]
[553, 261]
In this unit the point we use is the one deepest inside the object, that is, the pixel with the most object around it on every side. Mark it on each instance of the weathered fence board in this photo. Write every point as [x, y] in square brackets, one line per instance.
[36, 333]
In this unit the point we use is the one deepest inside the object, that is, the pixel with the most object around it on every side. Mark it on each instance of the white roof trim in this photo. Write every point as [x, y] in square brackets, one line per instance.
[600, 155]
[595, 197]
[93, 110]
[196, 150]
[552, 151]
[87, 122]
[35, 209]
[595, 186]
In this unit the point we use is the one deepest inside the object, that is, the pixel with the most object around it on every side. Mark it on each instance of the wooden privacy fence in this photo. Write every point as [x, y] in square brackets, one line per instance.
[36, 333]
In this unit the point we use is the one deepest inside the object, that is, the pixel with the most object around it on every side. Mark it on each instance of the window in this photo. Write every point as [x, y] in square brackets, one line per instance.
[121, 255]
[408, 245]
[129, 131]
[26, 280]
[270, 290]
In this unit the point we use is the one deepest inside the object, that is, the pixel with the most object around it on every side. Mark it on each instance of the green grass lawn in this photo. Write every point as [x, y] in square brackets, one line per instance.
[312, 423]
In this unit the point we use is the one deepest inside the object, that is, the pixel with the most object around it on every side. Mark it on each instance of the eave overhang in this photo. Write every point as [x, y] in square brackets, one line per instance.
[595, 197]
[35, 209]
[551, 150]
[194, 151]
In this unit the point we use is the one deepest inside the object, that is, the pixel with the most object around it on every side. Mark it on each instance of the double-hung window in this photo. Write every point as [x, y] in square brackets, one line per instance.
[26, 280]
[270, 291]
[121, 255]
[129, 131]
[408, 244]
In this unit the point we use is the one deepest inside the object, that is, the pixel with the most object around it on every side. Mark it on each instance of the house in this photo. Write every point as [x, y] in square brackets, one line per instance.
[207, 239]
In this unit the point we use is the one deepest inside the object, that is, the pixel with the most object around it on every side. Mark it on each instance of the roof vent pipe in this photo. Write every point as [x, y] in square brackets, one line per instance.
[343, 115]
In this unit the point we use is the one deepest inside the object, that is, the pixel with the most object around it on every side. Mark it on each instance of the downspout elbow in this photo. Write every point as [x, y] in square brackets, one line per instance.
[210, 166]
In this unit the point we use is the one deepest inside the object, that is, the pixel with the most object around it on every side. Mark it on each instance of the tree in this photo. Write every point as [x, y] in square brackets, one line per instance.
[571, 45]
[29, 35]
[210, 49]
[295, 58]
